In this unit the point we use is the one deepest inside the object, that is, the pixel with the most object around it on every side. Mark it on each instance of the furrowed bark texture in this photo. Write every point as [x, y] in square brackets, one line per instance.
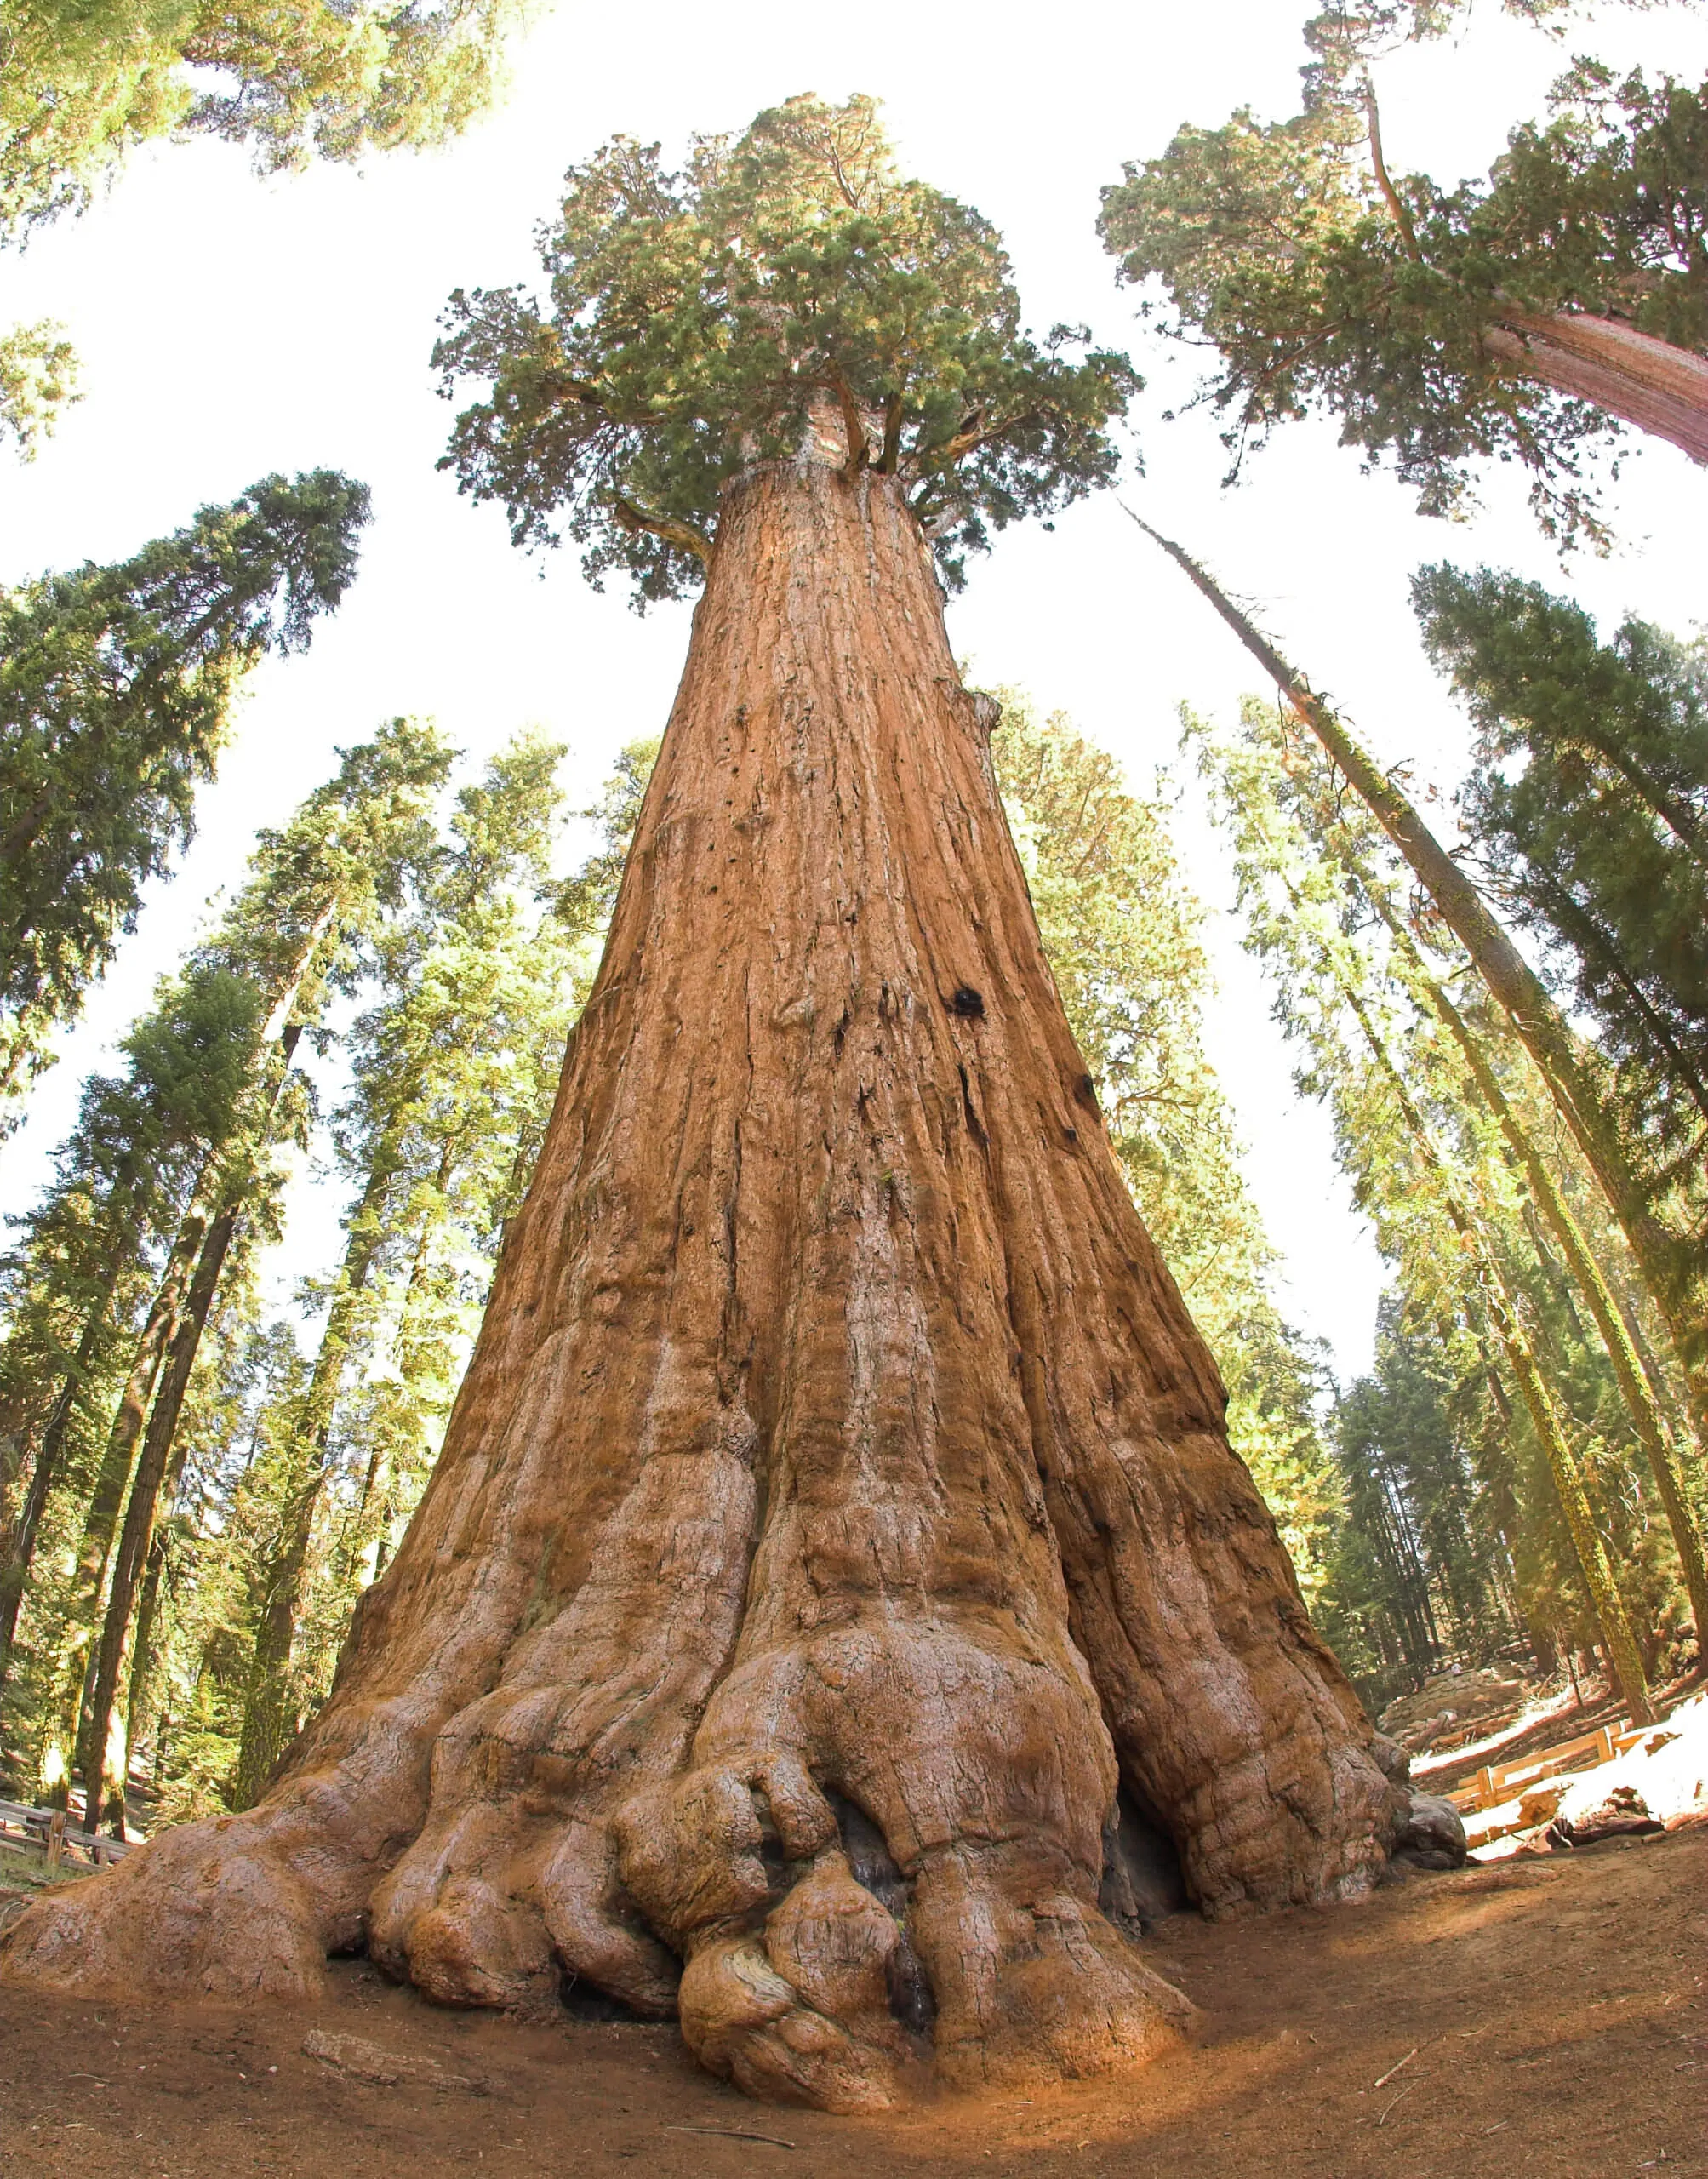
[837, 1509]
[1660, 388]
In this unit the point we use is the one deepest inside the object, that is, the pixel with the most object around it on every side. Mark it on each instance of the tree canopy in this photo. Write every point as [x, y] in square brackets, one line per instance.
[116, 691]
[699, 318]
[1589, 798]
[1425, 318]
[81, 82]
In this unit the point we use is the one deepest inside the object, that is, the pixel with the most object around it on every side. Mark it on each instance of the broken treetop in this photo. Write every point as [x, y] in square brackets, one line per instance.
[697, 318]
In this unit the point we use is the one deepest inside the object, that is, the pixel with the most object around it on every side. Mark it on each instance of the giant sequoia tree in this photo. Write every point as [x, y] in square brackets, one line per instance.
[836, 1556]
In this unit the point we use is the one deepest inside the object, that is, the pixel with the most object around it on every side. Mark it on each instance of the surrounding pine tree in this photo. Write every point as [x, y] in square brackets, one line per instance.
[1588, 798]
[1671, 1261]
[304, 929]
[161, 1179]
[453, 1073]
[1424, 959]
[1430, 1167]
[82, 84]
[1520, 319]
[71, 1281]
[454, 1069]
[116, 686]
[1421, 1570]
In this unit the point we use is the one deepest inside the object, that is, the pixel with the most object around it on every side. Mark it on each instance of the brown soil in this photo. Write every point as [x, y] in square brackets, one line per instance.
[1559, 2010]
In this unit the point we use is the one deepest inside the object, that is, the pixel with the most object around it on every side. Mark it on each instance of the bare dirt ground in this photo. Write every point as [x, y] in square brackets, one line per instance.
[1558, 2009]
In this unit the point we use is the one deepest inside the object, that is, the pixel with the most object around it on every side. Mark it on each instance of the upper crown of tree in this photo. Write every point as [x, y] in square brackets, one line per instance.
[82, 81]
[699, 318]
[1429, 320]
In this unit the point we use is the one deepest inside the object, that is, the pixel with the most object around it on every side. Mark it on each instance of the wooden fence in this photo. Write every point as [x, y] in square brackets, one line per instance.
[27, 1830]
[1498, 1782]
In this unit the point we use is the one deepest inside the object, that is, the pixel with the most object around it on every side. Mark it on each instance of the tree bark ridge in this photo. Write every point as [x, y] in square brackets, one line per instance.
[836, 1452]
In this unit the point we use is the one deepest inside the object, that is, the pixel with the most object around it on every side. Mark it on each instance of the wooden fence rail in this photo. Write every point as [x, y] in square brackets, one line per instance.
[22, 1828]
[1498, 1782]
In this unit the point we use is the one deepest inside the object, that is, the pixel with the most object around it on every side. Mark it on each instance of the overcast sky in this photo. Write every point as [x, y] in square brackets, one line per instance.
[231, 327]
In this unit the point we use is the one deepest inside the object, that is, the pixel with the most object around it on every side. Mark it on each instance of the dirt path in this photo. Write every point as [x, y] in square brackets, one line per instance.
[1558, 2008]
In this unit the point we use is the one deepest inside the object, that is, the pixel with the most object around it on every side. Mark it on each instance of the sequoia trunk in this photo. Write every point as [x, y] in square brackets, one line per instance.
[1659, 387]
[837, 1511]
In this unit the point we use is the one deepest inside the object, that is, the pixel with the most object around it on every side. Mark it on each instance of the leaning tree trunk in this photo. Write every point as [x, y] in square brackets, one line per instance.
[1660, 388]
[837, 1508]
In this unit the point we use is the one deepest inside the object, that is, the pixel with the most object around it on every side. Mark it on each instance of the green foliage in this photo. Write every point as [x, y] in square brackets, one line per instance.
[116, 693]
[1349, 34]
[1122, 936]
[455, 1071]
[1417, 1567]
[38, 377]
[699, 318]
[200, 1116]
[1455, 1531]
[1589, 798]
[81, 82]
[1326, 286]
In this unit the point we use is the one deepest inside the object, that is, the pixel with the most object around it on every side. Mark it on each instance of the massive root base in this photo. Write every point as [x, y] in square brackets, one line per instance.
[836, 1513]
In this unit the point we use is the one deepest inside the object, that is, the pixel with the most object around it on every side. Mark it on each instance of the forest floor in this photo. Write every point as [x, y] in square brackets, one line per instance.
[1558, 2010]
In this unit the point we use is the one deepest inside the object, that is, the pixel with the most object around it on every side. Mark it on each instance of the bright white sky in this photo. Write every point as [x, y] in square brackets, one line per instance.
[231, 327]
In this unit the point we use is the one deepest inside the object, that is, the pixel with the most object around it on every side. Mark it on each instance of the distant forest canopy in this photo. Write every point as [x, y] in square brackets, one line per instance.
[195, 1493]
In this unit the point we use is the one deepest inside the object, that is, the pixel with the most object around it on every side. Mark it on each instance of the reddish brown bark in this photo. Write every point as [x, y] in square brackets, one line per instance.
[1660, 388]
[837, 1459]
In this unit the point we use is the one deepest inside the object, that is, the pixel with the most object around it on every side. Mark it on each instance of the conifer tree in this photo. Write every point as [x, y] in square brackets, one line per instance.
[302, 931]
[121, 1174]
[158, 1178]
[1589, 802]
[116, 692]
[80, 85]
[1672, 1264]
[1522, 319]
[827, 1364]
[1354, 845]
[448, 1095]
[1297, 910]
[1421, 1572]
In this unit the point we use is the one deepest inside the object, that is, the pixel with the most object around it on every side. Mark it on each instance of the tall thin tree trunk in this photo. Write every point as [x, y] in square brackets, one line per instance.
[49, 1457]
[1586, 1544]
[96, 1763]
[837, 1453]
[226, 1202]
[1596, 945]
[143, 1654]
[1660, 388]
[1671, 1267]
[386, 1476]
[112, 1479]
[269, 1711]
[1641, 1396]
